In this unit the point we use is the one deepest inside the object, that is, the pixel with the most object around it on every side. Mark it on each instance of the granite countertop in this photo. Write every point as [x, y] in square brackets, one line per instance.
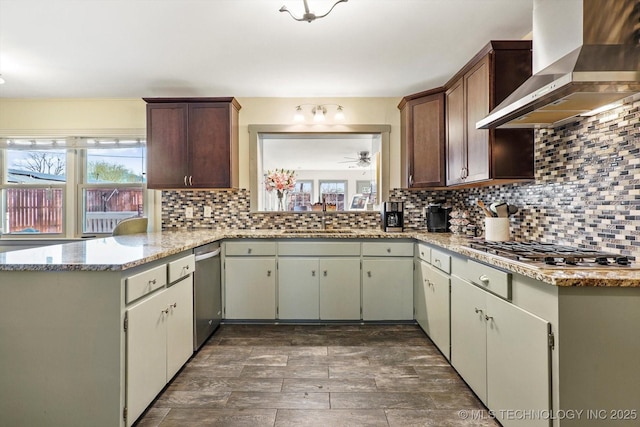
[124, 252]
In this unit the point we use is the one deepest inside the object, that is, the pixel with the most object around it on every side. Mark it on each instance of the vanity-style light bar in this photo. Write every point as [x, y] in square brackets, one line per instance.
[319, 112]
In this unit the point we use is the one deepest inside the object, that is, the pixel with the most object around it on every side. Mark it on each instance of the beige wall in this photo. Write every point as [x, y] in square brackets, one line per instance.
[120, 117]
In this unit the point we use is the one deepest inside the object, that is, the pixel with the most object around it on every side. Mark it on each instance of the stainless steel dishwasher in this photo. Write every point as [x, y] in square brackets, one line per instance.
[207, 298]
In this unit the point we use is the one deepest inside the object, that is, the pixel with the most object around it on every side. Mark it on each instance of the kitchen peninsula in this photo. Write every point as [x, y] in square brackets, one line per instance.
[63, 314]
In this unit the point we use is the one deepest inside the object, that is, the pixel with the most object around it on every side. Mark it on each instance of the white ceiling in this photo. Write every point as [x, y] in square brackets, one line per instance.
[244, 48]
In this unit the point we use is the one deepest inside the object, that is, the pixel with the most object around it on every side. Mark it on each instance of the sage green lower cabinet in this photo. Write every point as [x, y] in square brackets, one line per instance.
[159, 342]
[502, 352]
[387, 288]
[250, 287]
[436, 294]
[319, 288]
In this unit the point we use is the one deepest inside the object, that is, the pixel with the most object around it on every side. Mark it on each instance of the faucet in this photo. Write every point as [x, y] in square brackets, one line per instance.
[324, 212]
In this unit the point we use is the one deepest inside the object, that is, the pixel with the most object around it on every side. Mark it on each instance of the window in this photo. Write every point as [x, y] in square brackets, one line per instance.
[300, 198]
[113, 189]
[34, 190]
[333, 193]
[48, 189]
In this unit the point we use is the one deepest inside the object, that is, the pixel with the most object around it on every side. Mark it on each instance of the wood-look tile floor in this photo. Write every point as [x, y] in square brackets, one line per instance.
[316, 375]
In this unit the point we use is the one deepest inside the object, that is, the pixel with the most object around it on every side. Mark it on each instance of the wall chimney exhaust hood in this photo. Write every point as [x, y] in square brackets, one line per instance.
[586, 54]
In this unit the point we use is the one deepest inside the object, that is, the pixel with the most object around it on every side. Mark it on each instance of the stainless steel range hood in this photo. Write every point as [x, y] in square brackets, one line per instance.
[586, 54]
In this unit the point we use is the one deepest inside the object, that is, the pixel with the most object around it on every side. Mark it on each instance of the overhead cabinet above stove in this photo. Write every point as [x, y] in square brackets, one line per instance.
[475, 155]
[192, 142]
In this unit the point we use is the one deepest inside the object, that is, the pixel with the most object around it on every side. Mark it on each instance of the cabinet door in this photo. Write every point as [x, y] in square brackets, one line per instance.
[146, 353]
[518, 374]
[387, 289]
[437, 299]
[469, 335]
[179, 325]
[476, 84]
[421, 277]
[340, 288]
[250, 288]
[426, 144]
[298, 288]
[455, 119]
[210, 145]
[167, 154]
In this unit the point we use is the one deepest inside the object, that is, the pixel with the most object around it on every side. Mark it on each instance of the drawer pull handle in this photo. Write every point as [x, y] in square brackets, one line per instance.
[190, 180]
[152, 282]
[268, 273]
[388, 250]
[437, 261]
[185, 180]
[487, 318]
[478, 310]
[165, 311]
[186, 267]
[249, 250]
[174, 305]
[484, 279]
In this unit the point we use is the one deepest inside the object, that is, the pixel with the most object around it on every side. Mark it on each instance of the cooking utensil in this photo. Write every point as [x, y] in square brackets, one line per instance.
[512, 209]
[486, 210]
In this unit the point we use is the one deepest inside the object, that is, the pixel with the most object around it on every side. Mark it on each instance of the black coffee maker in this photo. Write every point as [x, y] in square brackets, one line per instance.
[393, 216]
[437, 217]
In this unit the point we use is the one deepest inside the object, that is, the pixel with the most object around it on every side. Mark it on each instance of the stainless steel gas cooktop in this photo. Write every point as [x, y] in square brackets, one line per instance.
[550, 255]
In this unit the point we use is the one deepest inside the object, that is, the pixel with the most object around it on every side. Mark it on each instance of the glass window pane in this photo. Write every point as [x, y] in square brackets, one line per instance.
[333, 193]
[300, 196]
[33, 210]
[104, 207]
[116, 165]
[36, 166]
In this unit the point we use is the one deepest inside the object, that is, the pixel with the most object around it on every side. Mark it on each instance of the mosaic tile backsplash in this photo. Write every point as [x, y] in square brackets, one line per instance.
[586, 193]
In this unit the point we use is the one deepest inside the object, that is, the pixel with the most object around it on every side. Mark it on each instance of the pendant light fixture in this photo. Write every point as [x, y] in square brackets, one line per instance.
[308, 15]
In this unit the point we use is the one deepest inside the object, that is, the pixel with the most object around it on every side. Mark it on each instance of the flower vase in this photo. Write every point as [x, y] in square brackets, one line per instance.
[281, 201]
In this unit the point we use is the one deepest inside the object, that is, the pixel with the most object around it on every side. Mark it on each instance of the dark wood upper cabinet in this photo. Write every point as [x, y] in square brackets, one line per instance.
[422, 139]
[192, 142]
[487, 156]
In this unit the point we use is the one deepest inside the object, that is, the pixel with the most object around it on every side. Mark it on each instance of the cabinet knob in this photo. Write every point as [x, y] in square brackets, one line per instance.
[368, 274]
[249, 250]
[487, 318]
[388, 250]
[324, 273]
[185, 180]
[478, 310]
[484, 279]
[174, 305]
[165, 311]
[313, 273]
[152, 282]
[437, 261]
[190, 180]
[268, 273]
[410, 180]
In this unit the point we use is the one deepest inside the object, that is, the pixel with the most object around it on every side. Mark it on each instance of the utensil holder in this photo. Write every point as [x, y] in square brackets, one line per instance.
[496, 229]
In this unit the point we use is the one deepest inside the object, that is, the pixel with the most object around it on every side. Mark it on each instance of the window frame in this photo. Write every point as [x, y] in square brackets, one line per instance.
[73, 188]
[336, 181]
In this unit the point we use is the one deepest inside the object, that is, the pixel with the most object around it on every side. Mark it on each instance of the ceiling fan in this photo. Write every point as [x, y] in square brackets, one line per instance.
[363, 159]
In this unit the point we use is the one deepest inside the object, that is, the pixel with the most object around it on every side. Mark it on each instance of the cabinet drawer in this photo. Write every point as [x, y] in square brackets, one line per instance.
[319, 248]
[181, 268]
[489, 278]
[143, 283]
[423, 252]
[387, 249]
[441, 260]
[250, 248]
